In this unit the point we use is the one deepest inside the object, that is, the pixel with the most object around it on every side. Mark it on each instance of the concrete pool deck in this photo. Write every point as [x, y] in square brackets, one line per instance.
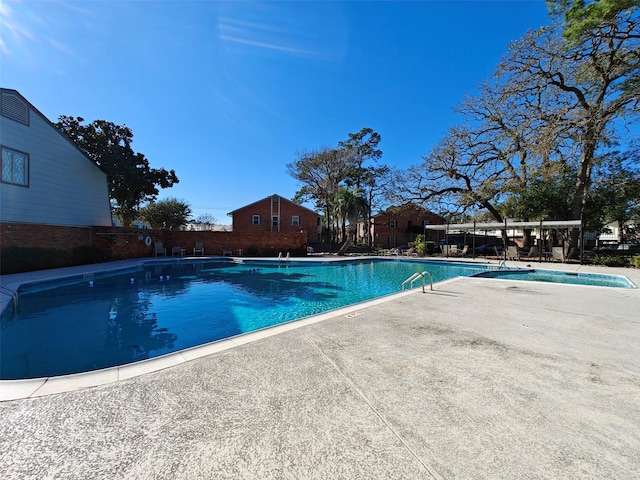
[480, 378]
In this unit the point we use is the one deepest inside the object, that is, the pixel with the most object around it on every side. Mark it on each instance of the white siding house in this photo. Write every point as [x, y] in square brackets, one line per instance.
[46, 178]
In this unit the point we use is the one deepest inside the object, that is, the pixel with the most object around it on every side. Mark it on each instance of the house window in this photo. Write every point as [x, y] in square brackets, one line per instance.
[295, 220]
[274, 221]
[393, 224]
[410, 224]
[255, 220]
[15, 167]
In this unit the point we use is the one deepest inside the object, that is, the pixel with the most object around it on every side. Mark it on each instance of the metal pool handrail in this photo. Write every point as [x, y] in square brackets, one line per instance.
[415, 277]
[286, 259]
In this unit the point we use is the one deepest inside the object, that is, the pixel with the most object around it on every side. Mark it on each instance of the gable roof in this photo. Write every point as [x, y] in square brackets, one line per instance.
[268, 198]
[406, 208]
[8, 91]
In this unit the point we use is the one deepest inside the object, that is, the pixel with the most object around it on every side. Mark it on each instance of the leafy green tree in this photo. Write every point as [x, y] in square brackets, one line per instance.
[131, 179]
[321, 172]
[546, 197]
[324, 172]
[349, 206]
[582, 17]
[362, 147]
[616, 195]
[169, 214]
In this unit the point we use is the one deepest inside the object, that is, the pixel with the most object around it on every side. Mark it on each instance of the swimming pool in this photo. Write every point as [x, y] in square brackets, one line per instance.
[550, 276]
[108, 319]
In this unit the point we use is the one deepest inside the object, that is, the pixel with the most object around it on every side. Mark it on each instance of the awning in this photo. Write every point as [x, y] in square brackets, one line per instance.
[507, 224]
[542, 225]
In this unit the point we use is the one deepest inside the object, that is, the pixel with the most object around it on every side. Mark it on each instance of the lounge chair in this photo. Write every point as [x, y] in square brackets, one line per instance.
[177, 251]
[533, 252]
[513, 253]
[449, 250]
[198, 249]
[454, 251]
[158, 249]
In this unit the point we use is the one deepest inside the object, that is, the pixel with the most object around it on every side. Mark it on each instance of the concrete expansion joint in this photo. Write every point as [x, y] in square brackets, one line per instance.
[432, 473]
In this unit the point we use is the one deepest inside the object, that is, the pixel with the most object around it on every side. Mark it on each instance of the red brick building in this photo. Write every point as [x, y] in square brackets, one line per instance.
[400, 225]
[276, 214]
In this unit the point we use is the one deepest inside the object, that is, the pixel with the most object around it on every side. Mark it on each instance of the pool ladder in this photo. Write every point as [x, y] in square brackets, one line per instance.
[418, 275]
[11, 293]
[284, 259]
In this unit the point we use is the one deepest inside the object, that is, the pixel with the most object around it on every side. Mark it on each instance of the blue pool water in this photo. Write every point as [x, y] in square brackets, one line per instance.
[110, 319]
[550, 276]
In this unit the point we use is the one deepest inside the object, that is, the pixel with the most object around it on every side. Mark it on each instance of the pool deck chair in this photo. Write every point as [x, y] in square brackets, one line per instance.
[533, 252]
[449, 250]
[158, 249]
[557, 253]
[513, 253]
[198, 249]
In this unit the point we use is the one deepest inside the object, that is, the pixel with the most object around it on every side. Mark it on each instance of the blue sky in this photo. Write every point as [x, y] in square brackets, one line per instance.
[228, 93]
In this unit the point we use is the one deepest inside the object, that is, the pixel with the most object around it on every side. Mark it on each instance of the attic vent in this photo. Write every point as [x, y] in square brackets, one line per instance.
[15, 108]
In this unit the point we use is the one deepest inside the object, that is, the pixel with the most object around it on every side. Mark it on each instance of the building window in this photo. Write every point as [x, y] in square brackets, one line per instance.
[410, 224]
[295, 220]
[255, 220]
[274, 221]
[15, 167]
[393, 224]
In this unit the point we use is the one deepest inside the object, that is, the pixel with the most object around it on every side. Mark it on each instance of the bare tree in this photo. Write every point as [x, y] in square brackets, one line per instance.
[551, 108]
[598, 73]
[206, 221]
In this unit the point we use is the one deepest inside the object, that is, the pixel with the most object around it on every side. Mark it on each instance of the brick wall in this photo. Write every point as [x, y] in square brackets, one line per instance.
[260, 243]
[120, 243]
[43, 236]
[308, 220]
[383, 232]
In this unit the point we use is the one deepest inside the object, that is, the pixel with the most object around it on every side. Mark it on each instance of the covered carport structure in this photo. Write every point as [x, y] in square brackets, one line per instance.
[541, 226]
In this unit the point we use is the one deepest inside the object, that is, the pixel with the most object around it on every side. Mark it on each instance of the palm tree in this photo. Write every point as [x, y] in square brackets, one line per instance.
[349, 206]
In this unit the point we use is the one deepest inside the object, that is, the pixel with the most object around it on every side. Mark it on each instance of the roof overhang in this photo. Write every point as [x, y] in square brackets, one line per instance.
[507, 224]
